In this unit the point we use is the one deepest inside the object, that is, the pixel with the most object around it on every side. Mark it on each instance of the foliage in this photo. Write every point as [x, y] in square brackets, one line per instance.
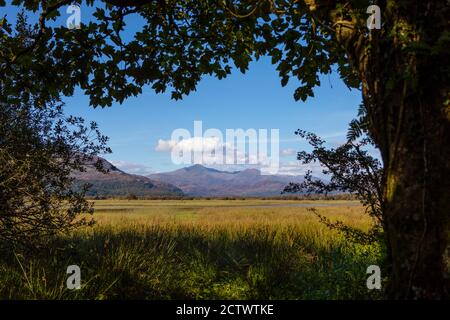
[154, 250]
[39, 149]
[117, 189]
[350, 168]
[179, 42]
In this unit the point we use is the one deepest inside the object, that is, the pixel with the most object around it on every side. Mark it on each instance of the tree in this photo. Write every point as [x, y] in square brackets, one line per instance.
[350, 169]
[401, 70]
[39, 150]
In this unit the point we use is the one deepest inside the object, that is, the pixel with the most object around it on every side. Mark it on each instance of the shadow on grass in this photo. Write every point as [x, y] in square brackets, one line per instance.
[189, 263]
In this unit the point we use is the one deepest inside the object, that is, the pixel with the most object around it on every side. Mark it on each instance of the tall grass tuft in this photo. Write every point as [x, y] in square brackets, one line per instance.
[174, 250]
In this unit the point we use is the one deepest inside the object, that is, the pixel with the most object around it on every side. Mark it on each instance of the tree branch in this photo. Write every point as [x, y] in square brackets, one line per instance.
[128, 3]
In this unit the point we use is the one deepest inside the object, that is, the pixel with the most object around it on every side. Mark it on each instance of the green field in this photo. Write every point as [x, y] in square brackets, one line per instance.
[201, 249]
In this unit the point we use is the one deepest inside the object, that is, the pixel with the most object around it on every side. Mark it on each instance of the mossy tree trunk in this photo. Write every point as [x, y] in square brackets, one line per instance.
[406, 91]
[417, 200]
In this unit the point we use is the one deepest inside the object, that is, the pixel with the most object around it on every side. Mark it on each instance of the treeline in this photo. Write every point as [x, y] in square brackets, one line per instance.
[341, 196]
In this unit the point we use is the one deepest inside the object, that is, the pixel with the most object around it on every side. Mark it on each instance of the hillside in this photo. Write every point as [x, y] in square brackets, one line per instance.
[119, 183]
[198, 180]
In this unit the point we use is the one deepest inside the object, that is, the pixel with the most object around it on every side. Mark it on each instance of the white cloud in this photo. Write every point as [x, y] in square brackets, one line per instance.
[165, 145]
[133, 168]
[209, 146]
[213, 151]
[242, 160]
[296, 168]
[199, 144]
[195, 144]
[287, 152]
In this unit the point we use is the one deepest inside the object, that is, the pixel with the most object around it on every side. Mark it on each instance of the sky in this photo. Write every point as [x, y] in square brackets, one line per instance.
[252, 100]
[140, 129]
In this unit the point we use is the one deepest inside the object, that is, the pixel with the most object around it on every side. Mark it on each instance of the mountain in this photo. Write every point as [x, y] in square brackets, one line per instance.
[119, 183]
[198, 180]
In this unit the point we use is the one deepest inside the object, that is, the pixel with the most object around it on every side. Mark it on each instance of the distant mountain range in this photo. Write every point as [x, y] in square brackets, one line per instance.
[198, 180]
[119, 183]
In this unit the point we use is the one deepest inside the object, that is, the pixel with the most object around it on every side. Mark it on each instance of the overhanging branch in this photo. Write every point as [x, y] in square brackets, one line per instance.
[128, 3]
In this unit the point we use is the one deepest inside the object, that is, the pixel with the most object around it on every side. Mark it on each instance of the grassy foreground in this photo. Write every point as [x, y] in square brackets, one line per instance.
[200, 249]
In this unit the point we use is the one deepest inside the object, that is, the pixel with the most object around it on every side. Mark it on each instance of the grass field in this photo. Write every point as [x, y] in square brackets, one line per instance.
[201, 249]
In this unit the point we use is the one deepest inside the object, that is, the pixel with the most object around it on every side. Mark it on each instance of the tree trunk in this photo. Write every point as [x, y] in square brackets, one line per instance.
[412, 130]
[406, 92]
[418, 205]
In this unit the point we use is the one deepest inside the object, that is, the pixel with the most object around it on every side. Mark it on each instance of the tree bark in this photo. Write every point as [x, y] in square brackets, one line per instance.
[418, 205]
[406, 92]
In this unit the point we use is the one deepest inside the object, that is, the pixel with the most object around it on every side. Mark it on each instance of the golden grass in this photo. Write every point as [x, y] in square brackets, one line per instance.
[226, 213]
[203, 249]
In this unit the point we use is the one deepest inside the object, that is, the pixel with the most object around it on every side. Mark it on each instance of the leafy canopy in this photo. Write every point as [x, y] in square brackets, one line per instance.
[179, 43]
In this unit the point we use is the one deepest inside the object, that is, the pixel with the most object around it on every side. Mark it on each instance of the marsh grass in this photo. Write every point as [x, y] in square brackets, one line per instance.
[199, 249]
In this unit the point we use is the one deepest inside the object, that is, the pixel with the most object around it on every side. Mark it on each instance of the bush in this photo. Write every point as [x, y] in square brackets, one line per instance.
[131, 196]
[39, 149]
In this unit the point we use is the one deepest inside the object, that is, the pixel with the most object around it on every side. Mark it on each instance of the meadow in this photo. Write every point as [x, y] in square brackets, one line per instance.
[200, 249]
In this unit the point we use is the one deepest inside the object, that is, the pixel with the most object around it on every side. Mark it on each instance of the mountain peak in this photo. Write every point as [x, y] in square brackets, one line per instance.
[198, 180]
[200, 168]
[196, 167]
[119, 183]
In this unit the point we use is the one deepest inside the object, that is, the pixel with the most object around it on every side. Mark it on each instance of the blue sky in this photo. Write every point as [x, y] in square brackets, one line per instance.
[252, 100]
